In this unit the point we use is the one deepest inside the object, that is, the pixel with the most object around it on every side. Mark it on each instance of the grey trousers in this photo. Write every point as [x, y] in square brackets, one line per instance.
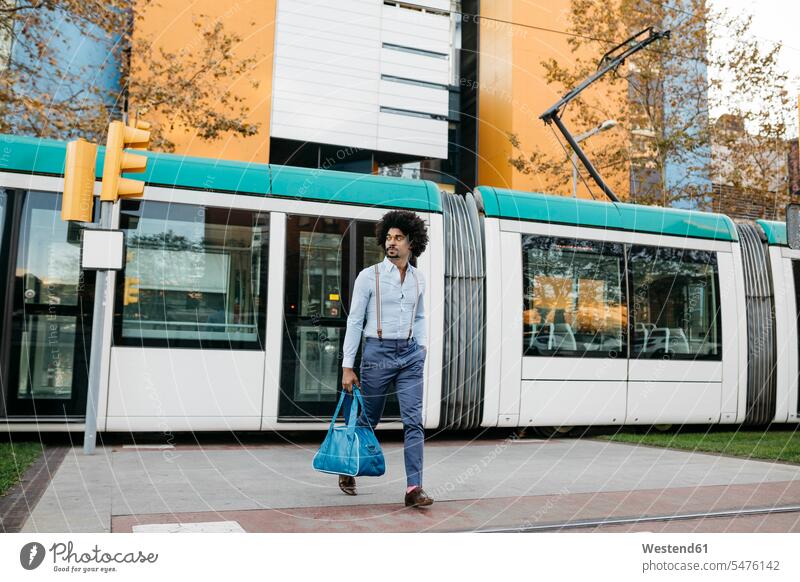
[399, 361]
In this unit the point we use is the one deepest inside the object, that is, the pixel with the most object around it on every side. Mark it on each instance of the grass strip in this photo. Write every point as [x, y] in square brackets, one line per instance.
[781, 445]
[15, 458]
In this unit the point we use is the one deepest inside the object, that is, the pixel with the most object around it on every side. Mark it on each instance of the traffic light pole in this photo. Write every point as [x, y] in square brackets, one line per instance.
[115, 163]
[102, 295]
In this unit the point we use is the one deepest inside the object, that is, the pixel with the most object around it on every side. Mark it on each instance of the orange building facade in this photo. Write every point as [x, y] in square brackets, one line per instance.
[427, 89]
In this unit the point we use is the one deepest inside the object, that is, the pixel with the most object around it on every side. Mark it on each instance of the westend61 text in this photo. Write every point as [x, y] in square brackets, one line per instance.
[670, 549]
[96, 555]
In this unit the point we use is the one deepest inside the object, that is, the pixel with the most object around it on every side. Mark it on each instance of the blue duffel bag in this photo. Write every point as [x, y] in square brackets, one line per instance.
[350, 449]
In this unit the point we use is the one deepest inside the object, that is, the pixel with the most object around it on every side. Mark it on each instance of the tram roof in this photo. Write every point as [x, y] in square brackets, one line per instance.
[538, 207]
[775, 232]
[46, 157]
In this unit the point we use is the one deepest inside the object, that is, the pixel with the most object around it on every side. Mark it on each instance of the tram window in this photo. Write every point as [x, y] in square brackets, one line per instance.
[574, 298]
[194, 277]
[675, 304]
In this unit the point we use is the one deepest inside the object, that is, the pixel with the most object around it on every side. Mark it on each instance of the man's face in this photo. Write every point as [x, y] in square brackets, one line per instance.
[397, 245]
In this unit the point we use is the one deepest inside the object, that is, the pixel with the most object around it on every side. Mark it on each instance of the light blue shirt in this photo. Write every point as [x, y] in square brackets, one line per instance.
[397, 305]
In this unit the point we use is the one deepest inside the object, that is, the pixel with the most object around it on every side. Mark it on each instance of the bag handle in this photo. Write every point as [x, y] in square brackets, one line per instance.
[353, 408]
[351, 426]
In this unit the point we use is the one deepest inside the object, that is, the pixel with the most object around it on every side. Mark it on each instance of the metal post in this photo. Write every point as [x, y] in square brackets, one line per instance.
[101, 297]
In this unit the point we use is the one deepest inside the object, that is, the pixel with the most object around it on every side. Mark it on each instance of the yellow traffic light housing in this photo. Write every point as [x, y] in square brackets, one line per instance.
[79, 174]
[131, 294]
[118, 161]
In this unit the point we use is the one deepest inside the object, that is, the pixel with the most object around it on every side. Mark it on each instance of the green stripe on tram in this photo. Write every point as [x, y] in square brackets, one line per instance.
[45, 156]
[348, 187]
[775, 232]
[537, 207]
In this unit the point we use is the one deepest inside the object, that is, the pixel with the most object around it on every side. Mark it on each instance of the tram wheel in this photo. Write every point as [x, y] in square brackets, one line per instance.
[552, 432]
[662, 427]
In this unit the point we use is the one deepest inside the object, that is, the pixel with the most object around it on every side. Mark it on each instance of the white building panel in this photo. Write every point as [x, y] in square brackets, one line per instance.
[330, 13]
[309, 59]
[443, 5]
[329, 60]
[333, 135]
[353, 96]
[412, 135]
[399, 95]
[421, 30]
[413, 66]
[311, 31]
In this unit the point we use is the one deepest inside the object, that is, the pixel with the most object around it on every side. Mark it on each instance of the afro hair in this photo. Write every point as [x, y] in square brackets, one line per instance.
[409, 224]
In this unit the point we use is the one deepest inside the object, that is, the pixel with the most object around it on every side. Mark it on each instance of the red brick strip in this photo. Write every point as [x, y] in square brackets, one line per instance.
[17, 504]
[502, 512]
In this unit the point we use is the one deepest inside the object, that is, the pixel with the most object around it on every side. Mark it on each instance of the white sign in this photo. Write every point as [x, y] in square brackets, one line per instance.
[102, 249]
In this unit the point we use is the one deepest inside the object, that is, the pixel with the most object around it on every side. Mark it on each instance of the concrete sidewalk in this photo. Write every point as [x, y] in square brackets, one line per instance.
[477, 484]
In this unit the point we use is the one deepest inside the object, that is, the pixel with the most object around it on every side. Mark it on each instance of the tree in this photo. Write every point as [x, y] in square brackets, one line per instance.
[43, 94]
[664, 97]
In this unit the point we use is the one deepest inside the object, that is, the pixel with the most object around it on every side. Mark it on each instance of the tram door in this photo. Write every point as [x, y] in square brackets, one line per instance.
[796, 276]
[323, 258]
[47, 309]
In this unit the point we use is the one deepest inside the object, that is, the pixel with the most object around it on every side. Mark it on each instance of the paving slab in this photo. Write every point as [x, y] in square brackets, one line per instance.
[88, 490]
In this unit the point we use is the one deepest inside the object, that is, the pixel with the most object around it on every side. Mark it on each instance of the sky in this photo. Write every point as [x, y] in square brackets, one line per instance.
[774, 20]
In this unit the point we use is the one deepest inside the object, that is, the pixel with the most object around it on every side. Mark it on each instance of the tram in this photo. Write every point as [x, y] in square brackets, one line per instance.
[230, 311]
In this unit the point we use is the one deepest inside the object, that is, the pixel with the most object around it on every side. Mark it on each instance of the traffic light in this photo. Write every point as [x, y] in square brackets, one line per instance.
[118, 161]
[131, 294]
[79, 168]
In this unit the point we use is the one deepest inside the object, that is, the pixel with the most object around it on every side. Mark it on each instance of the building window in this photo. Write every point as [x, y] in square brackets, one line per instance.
[194, 276]
[675, 304]
[574, 298]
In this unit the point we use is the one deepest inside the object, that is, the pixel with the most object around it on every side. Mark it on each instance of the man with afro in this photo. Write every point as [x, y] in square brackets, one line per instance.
[389, 297]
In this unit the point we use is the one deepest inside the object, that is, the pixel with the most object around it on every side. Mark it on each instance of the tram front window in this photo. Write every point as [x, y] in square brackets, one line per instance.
[574, 300]
[194, 276]
[675, 303]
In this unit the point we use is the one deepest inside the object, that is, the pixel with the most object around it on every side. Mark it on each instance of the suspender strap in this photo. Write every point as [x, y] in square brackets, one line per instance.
[378, 300]
[378, 303]
[414, 311]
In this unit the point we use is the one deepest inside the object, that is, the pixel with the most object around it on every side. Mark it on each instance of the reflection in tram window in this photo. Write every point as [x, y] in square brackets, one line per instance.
[49, 258]
[48, 337]
[194, 276]
[675, 304]
[574, 298]
[372, 252]
[321, 287]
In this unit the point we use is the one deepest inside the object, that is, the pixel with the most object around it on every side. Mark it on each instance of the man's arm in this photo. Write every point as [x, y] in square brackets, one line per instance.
[355, 319]
[420, 326]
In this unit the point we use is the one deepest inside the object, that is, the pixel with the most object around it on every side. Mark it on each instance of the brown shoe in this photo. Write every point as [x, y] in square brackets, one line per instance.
[418, 498]
[347, 484]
